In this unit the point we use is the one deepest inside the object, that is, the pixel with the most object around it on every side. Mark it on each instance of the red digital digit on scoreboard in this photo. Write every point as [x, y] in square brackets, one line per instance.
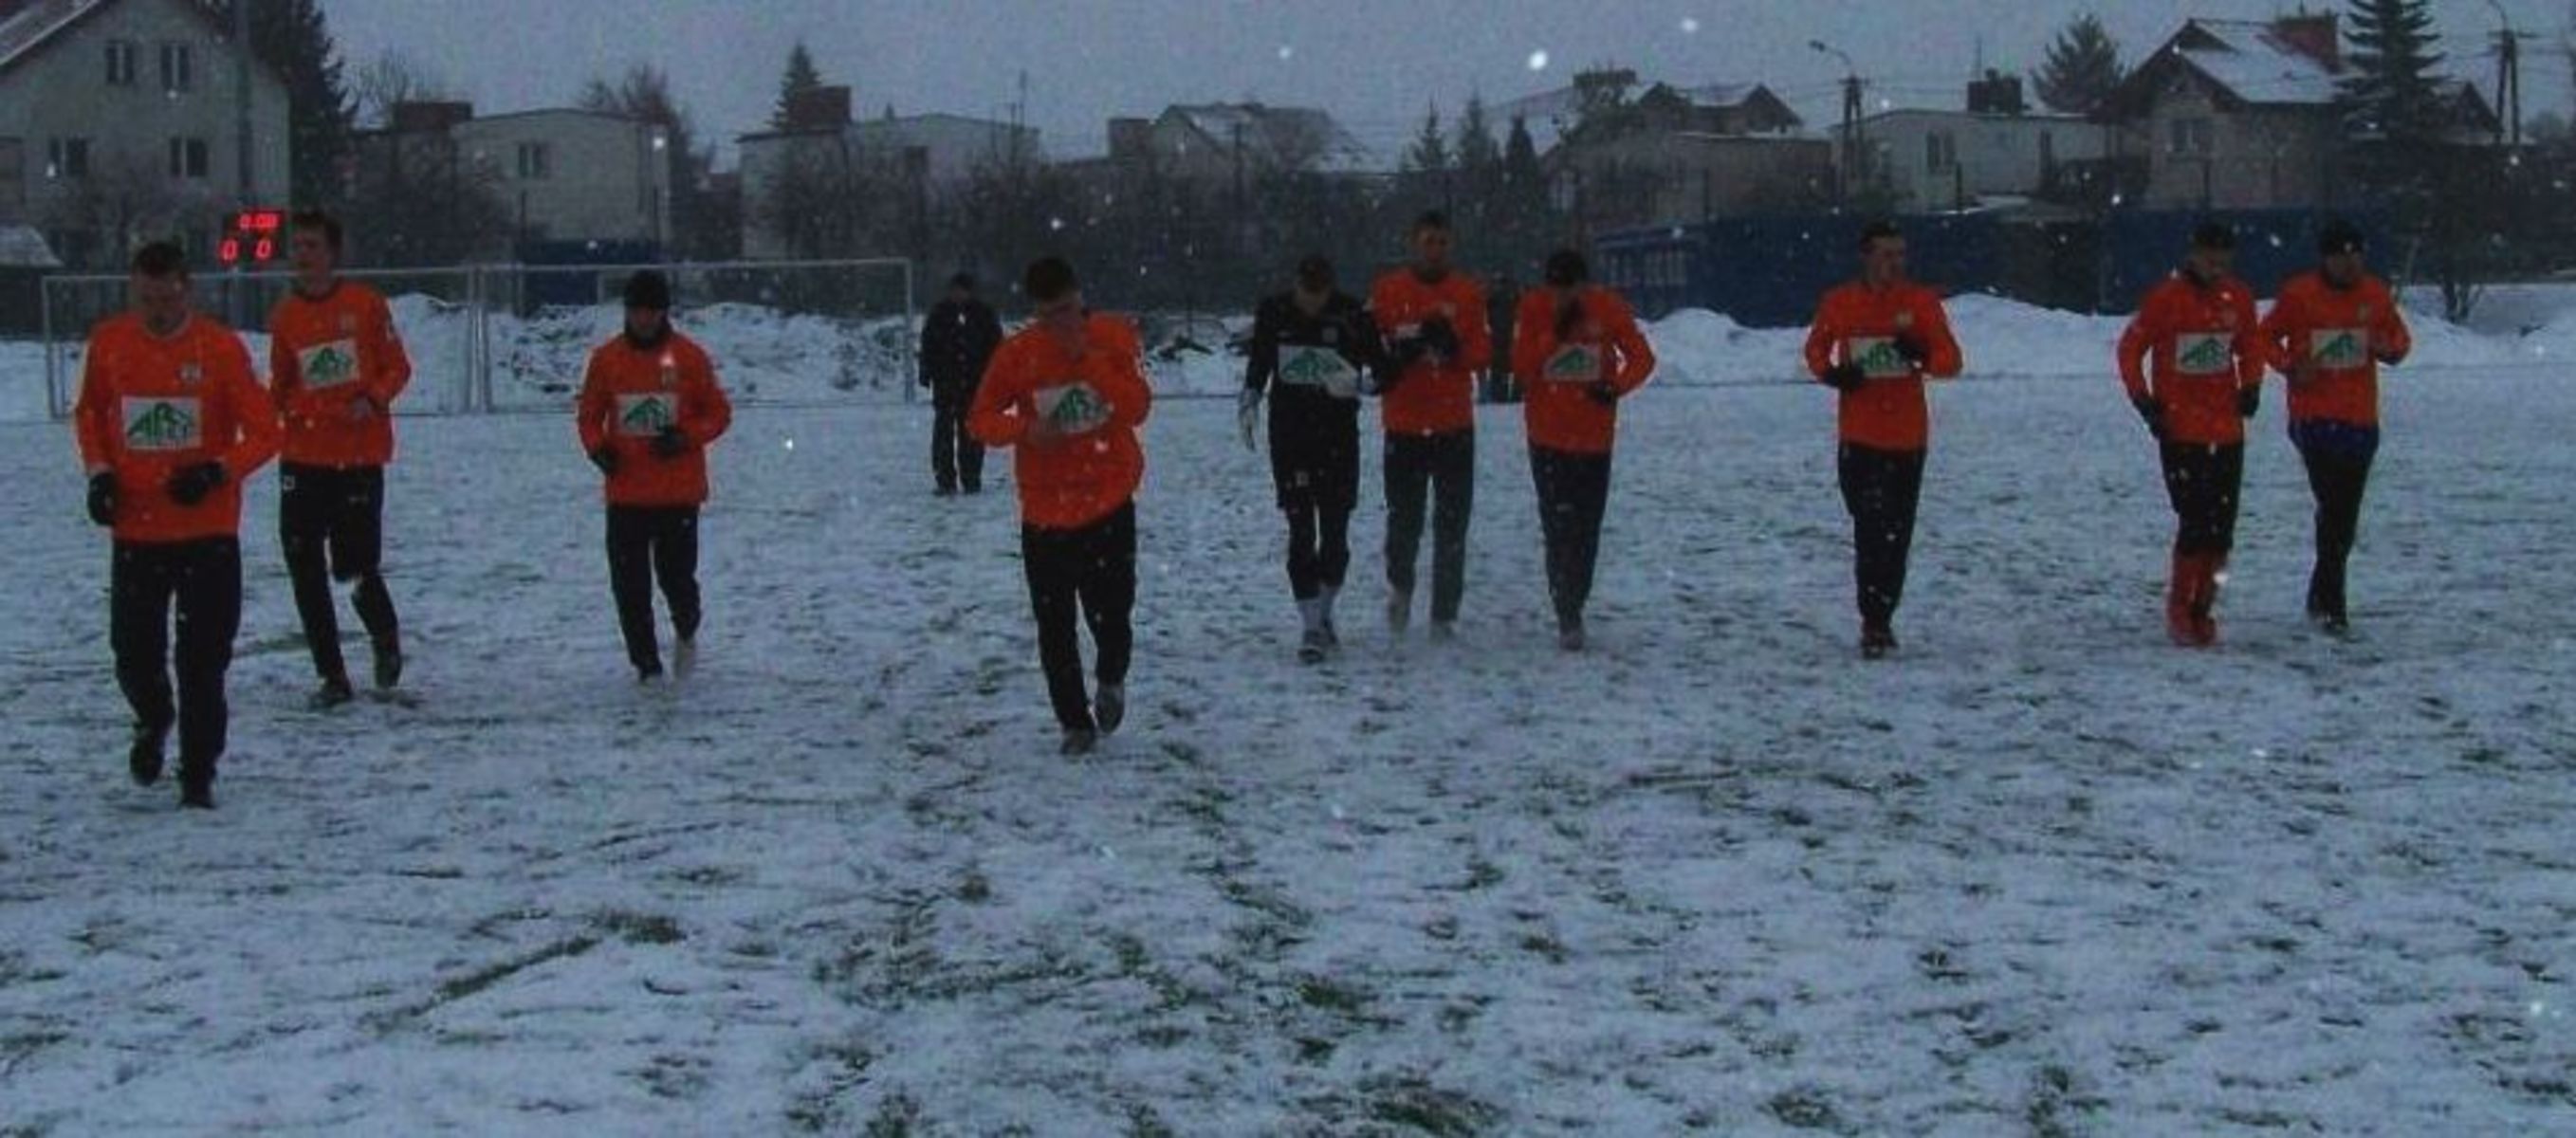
[254, 231]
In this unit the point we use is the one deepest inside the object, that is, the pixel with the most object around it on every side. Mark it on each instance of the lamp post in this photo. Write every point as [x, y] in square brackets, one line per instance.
[1855, 151]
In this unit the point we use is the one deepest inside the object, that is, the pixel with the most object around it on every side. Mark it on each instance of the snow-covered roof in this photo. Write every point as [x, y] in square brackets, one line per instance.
[2253, 62]
[1548, 115]
[1285, 132]
[21, 247]
[27, 23]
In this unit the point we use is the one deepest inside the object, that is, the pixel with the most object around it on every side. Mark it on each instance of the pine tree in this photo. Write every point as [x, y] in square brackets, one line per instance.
[1478, 151]
[289, 36]
[2390, 93]
[2083, 66]
[801, 78]
[1430, 151]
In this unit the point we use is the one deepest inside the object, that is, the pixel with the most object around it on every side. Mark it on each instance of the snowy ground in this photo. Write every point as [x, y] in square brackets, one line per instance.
[2043, 874]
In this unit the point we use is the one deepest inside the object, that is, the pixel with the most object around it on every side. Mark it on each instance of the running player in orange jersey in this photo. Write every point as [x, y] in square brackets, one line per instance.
[335, 365]
[1875, 341]
[170, 420]
[2198, 329]
[1066, 395]
[2331, 331]
[649, 406]
[1433, 320]
[1577, 352]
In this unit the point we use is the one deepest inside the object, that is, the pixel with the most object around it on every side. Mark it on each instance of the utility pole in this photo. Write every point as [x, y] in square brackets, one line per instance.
[241, 102]
[2508, 90]
[1855, 148]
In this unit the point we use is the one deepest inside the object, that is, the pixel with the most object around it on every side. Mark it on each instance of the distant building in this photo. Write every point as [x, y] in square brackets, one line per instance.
[1214, 148]
[2238, 114]
[1674, 154]
[575, 176]
[118, 123]
[1926, 160]
[922, 155]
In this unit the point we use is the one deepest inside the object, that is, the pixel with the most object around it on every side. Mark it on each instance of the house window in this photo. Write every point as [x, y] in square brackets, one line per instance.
[13, 174]
[120, 63]
[1940, 151]
[187, 158]
[2190, 136]
[66, 158]
[535, 160]
[178, 72]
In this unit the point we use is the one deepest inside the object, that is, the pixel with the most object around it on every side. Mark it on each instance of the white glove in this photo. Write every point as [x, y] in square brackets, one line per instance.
[1247, 416]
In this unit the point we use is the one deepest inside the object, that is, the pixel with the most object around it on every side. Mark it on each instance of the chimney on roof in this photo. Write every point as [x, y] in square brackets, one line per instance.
[822, 108]
[2313, 35]
[425, 117]
[1996, 94]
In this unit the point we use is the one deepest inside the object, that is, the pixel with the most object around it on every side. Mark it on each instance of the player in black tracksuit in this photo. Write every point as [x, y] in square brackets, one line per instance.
[1310, 346]
[957, 340]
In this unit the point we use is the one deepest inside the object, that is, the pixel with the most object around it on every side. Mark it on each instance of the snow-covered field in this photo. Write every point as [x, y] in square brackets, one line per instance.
[2042, 874]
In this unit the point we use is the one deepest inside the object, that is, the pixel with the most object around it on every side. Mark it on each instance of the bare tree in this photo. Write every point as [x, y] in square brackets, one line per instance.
[391, 79]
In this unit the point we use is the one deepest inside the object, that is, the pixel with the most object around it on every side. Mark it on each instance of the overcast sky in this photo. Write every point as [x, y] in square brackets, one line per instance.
[1375, 64]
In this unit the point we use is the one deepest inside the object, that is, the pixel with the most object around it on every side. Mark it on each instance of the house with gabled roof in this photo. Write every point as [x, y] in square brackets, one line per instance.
[2242, 114]
[118, 121]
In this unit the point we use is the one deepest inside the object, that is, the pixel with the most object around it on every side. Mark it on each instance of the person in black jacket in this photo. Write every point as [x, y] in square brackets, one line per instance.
[956, 342]
[1309, 348]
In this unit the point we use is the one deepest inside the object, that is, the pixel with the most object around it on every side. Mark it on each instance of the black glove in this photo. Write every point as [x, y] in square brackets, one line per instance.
[2248, 401]
[2387, 357]
[190, 484]
[1603, 392]
[670, 443]
[605, 459]
[1910, 347]
[1440, 338]
[102, 498]
[2152, 410]
[1845, 377]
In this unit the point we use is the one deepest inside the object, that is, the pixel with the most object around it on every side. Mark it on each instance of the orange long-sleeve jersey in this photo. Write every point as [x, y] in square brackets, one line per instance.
[151, 405]
[1556, 372]
[1858, 323]
[2205, 347]
[327, 354]
[2331, 341]
[630, 394]
[1433, 396]
[1087, 463]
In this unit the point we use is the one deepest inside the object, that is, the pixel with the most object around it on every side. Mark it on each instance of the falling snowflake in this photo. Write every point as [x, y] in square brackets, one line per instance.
[1538, 61]
[1690, 25]
[1286, 52]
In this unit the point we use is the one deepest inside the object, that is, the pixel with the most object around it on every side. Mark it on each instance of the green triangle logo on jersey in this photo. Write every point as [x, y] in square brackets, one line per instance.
[165, 425]
[647, 417]
[330, 367]
[1575, 362]
[1305, 369]
[1077, 408]
[1882, 358]
[2205, 355]
[2343, 349]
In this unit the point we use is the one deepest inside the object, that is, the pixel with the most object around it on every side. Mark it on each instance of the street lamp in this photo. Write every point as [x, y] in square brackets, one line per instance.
[1856, 153]
[2508, 92]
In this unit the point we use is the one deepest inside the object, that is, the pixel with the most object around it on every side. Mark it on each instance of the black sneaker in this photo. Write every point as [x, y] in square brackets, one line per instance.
[1314, 647]
[648, 677]
[1109, 708]
[144, 758]
[333, 692]
[1078, 742]
[389, 666]
[944, 492]
[197, 794]
[1876, 641]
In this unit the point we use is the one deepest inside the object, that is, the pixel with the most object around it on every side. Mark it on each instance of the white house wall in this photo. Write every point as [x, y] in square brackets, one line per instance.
[60, 90]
